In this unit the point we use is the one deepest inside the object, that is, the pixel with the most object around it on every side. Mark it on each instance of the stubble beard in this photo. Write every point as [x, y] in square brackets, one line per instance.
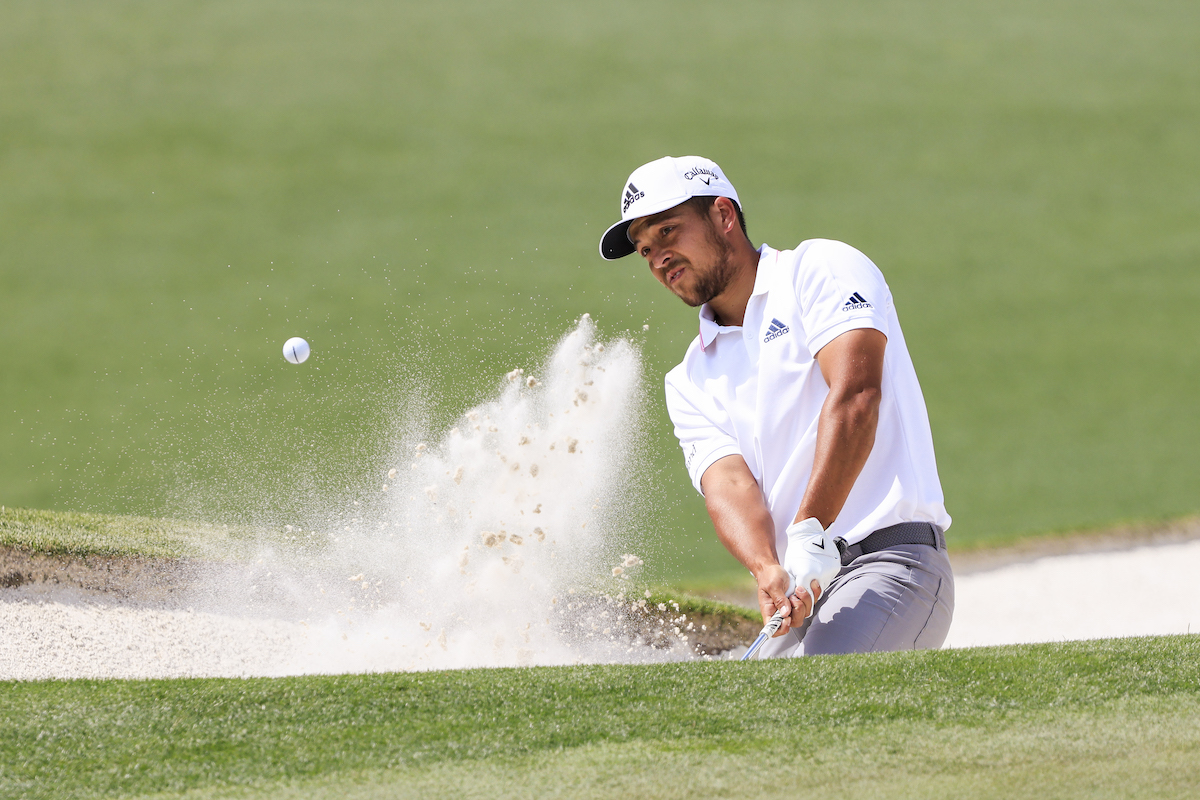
[711, 282]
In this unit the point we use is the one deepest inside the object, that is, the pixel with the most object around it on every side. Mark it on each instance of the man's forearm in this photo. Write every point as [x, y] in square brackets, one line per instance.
[744, 525]
[845, 436]
[739, 514]
[852, 365]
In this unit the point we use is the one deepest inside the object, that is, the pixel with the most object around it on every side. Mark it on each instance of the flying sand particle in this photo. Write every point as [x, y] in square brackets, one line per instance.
[570, 484]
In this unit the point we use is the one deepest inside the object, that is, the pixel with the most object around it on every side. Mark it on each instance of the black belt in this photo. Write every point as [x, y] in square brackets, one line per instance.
[892, 536]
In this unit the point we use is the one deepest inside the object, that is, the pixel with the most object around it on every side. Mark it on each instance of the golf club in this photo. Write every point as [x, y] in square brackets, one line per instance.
[770, 628]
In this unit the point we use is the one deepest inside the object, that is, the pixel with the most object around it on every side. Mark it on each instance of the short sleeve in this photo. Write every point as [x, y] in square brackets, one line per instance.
[700, 436]
[839, 289]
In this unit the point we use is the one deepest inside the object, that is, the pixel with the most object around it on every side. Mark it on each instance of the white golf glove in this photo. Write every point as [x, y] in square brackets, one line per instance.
[811, 555]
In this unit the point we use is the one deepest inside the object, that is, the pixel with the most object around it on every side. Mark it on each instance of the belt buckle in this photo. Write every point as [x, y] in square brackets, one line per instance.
[842, 550]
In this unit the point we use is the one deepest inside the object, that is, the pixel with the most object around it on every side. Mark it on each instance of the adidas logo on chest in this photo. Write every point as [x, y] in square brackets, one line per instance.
[775, 330]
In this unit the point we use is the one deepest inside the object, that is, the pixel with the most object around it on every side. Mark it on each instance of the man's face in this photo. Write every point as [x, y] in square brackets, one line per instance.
[685, 253]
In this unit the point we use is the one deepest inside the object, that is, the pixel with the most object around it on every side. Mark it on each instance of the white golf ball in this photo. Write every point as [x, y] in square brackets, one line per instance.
[295, 350]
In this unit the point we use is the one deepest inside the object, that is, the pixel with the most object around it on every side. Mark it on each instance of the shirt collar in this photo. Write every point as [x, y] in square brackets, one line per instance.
[709, 329]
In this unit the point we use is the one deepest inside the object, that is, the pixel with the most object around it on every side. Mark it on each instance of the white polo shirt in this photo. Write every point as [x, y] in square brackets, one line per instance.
[757, 391]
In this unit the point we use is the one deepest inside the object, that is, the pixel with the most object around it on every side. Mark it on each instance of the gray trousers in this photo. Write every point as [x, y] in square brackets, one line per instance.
[901, 598]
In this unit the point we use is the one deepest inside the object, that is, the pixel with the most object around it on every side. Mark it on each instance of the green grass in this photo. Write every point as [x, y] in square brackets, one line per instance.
[76, 534]
[1102, 719]
[418, 189]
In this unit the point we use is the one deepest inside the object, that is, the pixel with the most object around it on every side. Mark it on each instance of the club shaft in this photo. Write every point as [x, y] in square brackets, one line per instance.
[767, 632]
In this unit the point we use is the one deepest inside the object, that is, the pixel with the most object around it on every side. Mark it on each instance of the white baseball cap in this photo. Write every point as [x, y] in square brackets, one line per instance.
[660, 185]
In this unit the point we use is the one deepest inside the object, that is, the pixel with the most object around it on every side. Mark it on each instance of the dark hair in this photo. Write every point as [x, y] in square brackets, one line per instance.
[701, 205]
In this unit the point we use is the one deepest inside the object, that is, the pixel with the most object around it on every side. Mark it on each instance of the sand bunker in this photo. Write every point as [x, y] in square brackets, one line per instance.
[69, 634]
[1138, 592]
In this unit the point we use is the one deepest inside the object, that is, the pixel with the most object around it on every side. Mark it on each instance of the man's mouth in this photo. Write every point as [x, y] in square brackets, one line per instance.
[674, 274]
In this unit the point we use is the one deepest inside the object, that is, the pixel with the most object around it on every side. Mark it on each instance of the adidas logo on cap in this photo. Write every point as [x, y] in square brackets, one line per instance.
[632, 195]
[660, 185]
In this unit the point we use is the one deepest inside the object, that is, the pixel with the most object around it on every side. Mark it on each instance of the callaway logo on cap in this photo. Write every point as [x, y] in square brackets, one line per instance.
[660, 185]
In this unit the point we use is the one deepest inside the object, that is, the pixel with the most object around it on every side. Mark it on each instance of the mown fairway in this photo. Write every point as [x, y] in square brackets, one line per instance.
[1107, 719]
[418, 189]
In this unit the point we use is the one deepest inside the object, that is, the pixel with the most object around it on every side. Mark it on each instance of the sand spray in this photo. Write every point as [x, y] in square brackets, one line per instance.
[495, 543]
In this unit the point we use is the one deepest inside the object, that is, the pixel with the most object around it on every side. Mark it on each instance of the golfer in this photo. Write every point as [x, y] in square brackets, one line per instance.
[800, 417]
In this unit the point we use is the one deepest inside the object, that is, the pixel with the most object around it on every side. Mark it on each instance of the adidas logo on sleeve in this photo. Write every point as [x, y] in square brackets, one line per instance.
[856, 302]
[775, 330]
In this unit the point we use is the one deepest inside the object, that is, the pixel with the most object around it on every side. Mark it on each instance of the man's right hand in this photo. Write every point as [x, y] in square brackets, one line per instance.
[773, 584]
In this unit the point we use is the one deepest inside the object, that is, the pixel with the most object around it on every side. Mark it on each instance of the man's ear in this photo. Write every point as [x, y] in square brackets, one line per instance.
[724, 215]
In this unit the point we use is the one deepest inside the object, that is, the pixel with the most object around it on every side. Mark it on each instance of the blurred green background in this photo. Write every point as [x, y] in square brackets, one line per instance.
[418, 189]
